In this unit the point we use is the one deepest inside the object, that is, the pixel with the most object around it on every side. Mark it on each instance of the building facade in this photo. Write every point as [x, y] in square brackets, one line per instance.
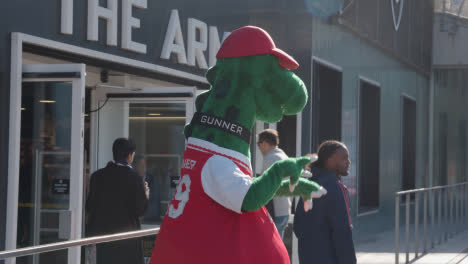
[75, 75]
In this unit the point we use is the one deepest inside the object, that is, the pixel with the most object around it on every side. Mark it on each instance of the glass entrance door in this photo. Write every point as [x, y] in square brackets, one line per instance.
[155, 120]
[51, 158]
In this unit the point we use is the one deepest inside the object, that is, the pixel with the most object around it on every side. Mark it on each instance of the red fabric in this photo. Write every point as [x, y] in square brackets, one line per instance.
[344, 191]
[208, 233]
[251, 41]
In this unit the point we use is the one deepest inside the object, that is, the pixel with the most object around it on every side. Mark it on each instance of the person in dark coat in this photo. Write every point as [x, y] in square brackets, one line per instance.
[117, 198]
[325, 232]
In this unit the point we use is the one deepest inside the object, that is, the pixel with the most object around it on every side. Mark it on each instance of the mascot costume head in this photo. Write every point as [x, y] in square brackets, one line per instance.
[218, 214]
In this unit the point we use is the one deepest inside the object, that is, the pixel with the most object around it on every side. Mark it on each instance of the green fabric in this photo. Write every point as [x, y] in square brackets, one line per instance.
[264, 188]
[243, 90]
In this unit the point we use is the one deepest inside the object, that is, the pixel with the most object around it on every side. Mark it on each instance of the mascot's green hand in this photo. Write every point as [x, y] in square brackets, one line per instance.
[307, 189]
[264, 188]
[294, 177]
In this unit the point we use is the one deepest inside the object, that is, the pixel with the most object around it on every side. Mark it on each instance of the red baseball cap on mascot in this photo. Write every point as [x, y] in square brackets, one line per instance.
[251, 41]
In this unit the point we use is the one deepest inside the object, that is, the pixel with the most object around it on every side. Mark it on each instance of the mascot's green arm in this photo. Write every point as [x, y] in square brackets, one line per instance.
[265, 187]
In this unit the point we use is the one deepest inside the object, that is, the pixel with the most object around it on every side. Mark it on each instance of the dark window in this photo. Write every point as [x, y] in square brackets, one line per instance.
[326, 111]
[369, 146]
[287, 135]
[409, 145]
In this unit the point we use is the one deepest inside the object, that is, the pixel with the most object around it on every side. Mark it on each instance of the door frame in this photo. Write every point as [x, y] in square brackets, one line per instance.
[77, 78]
[129, 95]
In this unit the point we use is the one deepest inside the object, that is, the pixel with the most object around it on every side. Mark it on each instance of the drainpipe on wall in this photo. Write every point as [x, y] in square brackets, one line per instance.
[431, 130]
[431, 103]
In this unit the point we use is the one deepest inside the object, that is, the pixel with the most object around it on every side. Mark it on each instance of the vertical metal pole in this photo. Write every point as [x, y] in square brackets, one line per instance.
[465, 203]
[416, 224]
[38, 204]
[455, 210]
[425, 222]
[457, 215]
[407, 225]
[461, 203]
[397, 229]
[445, 215]
[463, 199]
[463, 209]
[450, 223]
[454, 223]
[462, 206]
[432, 195]
[439, 215]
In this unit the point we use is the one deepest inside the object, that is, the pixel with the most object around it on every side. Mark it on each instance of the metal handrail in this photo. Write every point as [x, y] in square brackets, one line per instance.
[430, 189]
[26, 251]
[454, 216]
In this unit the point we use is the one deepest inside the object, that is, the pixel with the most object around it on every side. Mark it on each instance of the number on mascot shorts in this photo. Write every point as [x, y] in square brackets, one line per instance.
[182, 196]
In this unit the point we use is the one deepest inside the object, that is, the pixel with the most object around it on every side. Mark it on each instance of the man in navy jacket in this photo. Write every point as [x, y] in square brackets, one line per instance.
[325, 232]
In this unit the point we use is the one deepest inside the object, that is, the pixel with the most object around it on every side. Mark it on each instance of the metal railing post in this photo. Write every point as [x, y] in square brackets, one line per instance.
[425, 221]
[446, 215]
[462, 206]
[452, 211]
[465, 204]
[465, 200]
[416, 225]
[407, 225]
[397, 228]
[432, 194]
[439, 216]
[457, 218]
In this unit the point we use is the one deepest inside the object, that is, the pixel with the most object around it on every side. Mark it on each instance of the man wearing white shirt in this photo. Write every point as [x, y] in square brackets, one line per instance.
[267, 142]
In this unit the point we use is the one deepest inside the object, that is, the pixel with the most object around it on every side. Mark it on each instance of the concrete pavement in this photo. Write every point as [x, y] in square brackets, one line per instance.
[380, 250]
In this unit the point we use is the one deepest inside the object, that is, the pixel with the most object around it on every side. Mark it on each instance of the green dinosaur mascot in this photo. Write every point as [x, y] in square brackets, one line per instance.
[218, 214]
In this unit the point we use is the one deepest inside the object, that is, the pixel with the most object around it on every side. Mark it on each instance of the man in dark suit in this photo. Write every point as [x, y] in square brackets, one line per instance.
[325, 232]
[117, 198]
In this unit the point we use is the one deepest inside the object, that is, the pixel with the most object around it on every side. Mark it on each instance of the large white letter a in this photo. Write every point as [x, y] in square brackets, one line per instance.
[174, 41]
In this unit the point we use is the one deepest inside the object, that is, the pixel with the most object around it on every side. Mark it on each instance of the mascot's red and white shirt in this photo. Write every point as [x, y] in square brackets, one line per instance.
[204, 223]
